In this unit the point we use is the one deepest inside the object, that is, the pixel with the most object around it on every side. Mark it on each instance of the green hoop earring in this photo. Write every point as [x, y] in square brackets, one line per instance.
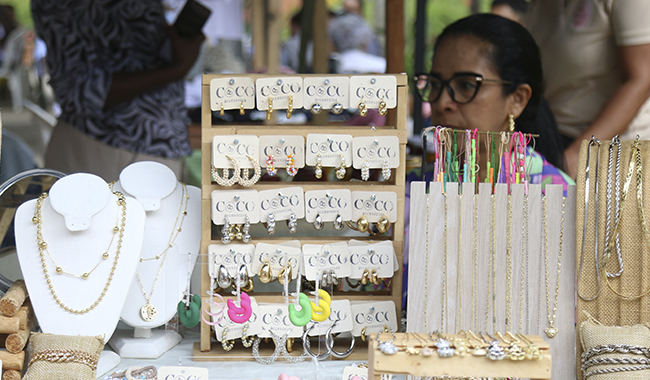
[191, 315]
[302, 317]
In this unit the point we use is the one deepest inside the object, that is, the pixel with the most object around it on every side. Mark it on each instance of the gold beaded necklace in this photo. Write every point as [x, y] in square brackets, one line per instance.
[42, 249]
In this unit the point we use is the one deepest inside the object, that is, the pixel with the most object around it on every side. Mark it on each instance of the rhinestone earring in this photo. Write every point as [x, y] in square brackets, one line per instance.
[318, 169]
[318, 222]
[385, 170]
[291, 168]
[365, 171]
[292, 223]
[340, 172]
[290, 108]
[269, 110]
[270, 166]
[270, 224]
[316, 108]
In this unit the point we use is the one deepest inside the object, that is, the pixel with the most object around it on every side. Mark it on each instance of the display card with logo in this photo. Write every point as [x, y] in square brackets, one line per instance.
[327, 91]
[328, 257]
[376, 151]
[275, 318]
[235, 329]
[231, 256]
[282, 203]
[183, 373]
[373, 205]
[372, 89]
[332, 149]
[278, 256]
[379, 256]
[281, 91]
[328, 204]
[232, 93]
[238, 148]
[373, 316]
[341, 311]
[279, 147]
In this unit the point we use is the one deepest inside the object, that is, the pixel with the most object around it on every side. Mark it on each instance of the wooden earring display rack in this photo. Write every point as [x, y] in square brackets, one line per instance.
[468, 366]
[469, 251]
[208, 349]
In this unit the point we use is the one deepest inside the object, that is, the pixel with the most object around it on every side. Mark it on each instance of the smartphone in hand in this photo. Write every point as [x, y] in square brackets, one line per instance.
[190, 21]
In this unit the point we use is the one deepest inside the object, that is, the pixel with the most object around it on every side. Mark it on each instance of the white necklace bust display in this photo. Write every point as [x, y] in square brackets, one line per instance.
[172, 232]
[76, 272]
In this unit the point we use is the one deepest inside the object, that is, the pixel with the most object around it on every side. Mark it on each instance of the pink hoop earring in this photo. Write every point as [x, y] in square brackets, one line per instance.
[219, 313]
[243, 313]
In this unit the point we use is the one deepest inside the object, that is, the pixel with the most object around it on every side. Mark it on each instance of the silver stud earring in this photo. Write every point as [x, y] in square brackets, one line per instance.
[338, 222]
[316, 108]
[337, 109]
[318, 222]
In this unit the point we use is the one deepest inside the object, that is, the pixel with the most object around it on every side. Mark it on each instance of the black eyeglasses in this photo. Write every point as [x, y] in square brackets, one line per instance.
[462, 87]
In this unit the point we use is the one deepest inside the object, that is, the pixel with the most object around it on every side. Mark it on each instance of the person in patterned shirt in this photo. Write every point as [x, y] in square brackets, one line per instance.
[117, 72]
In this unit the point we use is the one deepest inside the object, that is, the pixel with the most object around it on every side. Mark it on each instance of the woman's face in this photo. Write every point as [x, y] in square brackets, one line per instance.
[489, 109]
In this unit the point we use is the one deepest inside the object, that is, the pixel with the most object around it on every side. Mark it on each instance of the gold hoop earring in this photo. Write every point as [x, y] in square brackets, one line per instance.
[290, 108]
[511, 122]
[269, 109]
[222, 111]
[241, 109]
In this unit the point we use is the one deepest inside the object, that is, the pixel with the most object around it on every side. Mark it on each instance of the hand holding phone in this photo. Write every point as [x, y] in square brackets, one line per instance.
[191, 19]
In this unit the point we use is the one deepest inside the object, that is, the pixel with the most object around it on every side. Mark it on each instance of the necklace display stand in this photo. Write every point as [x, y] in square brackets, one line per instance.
[164, 279]
[78, 218]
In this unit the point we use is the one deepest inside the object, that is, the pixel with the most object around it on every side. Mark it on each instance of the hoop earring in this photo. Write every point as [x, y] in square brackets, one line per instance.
[337, 109]
[340, 172]
[219, 313]
[511, 122]
[365, 277]
[241, 109]
[306, 345]
[240, 314]
[227, 345]
[270, 167]
[365, 171]
[269, 110]
[303, 316]
[329, 342]
[265, 274]
[190, 314]
[316, 108]
[385, 170]
[244, 180]
[363, 110]
[290, 108]
[273, 357]
[246, 340]
[291, 169]
[318, 169]
[224, 179]
[321, 311]
[383, 110]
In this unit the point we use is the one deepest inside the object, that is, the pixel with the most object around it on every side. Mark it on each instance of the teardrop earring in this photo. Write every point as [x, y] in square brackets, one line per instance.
[338, 222]
[265, 274]
[318, 222]
[383, 224]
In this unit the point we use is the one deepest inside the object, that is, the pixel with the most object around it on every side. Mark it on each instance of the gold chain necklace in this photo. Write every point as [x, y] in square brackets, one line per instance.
[509, 264]
[524, 261]
[426, 268]
[475, 265]
[148, 312]
[551, 330]
[443, 319]
[459, 272]
[42, 248]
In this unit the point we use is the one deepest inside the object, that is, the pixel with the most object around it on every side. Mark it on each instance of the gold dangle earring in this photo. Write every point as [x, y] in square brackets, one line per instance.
[511, 123]
[269, 110]
[241, 109]
[363, 110]
[383, 108]
[290, 108]
[222, 111]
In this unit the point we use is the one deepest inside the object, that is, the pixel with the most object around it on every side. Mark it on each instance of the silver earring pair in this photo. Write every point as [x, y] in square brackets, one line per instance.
[229, 232]
[337, 109]
[319, 224]
[292, 223]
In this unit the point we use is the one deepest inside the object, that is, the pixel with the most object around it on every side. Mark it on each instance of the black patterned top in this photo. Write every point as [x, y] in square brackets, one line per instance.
[87, 41]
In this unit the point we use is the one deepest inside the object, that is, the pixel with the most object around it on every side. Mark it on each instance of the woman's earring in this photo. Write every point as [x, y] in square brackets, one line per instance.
[246, 340]
[223, 277]
[244, 180]
[362, 224]
[270, 224]
[383, 224]
[290, 108]
[246, 237]
[340, 172]
[385, 170]
[240, 314]
[365, 171]
[270, 166]
[363, 110]
[227, 345]
[382, 108]
[222, 111]
[226, 236]
[292, 223]
[224, 179]
[338, 222]
[269, 110]
[318, 222]
[316, 108]
[511, 122]
[337, 109]
[241, 109]
[318, 169]
[265, 274]
[286, 271]
[215, 321]
[291, 168]
[329, 342]
[365, 277]
[303, 316]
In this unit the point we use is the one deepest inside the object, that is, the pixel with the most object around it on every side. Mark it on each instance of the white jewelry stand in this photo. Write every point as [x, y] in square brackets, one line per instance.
[78, 218]
[156, 187]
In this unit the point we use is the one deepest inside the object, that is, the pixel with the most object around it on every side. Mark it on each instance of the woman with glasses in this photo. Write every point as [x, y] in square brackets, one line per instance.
[486, 70]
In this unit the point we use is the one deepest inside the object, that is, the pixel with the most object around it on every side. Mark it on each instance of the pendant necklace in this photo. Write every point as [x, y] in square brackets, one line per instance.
[148, 312]
[551, 330]
[43, 249]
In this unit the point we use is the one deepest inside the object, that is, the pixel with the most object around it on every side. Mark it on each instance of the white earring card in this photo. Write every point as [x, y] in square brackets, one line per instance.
[327, 91]
[232, 93]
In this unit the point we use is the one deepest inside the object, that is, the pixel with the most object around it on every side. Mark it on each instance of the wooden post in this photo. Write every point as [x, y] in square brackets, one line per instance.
[274, 25]
[258, 10]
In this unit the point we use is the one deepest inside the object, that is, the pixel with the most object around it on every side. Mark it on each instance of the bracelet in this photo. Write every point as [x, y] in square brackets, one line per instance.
[619, 348]
[65, 356]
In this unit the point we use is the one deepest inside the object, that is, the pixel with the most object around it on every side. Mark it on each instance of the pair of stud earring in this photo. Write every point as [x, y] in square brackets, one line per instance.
[242, 111]
[318, 169]
[319, 224]
[385, 170]
[269, 110]
[236, 231]
[292, 223]
[370, 276]
[290, 166]
[238, 176]
[328, 277]
[337, 109]
[223, 279]
[363, 225]
[363, 109]
[265, 274]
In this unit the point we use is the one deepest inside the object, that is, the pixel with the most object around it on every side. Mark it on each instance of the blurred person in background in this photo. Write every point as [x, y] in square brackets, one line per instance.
[514, 10]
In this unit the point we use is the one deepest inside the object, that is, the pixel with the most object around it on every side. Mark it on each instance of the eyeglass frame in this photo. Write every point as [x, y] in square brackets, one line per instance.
[447, 84]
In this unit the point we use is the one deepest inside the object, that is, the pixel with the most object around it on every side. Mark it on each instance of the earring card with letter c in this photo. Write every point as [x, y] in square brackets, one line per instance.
[389, 89]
